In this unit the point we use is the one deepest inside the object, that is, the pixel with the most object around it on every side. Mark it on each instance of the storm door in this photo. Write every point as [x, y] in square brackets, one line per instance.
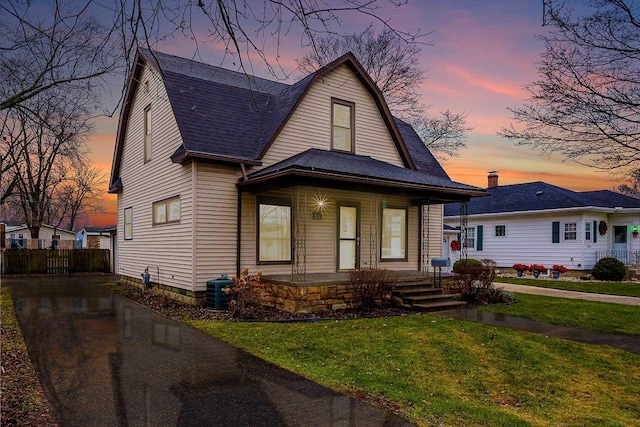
[348, 256]
[619, 246]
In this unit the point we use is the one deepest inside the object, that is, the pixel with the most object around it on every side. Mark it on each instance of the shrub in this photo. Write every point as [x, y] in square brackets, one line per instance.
[470, 262]
[475, 284]
[609, 269]
[246, 295]
[369, 287]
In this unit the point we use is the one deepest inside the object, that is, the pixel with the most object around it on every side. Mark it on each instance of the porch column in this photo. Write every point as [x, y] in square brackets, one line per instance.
[464, 221]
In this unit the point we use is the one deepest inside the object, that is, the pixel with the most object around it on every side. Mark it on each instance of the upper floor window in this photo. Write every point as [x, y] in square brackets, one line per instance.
[147, 134]
[570, 231]
[166, 211]
[342, 125]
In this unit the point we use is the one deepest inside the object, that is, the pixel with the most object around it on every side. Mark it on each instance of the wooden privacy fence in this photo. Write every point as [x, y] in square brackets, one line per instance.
[55, 261]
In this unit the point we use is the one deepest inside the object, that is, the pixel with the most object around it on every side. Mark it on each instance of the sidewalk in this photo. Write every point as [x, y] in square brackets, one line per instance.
[559, 293]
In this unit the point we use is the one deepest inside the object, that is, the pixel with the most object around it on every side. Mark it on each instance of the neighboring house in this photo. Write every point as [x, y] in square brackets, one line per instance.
[217, 171]
[95, 237]
[544, 224]
[19, 237]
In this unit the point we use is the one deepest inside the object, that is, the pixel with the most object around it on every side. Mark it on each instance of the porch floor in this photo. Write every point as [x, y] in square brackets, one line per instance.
[339, 278]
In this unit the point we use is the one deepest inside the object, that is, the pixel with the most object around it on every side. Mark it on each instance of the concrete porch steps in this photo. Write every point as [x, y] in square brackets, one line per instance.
[420, 295]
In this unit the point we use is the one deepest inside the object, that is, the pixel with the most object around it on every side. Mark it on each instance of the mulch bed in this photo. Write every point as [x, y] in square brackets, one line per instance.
[181, 311]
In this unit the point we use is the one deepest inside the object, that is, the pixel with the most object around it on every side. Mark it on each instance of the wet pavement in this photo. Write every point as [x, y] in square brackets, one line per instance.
[107, 361]
[625, 342]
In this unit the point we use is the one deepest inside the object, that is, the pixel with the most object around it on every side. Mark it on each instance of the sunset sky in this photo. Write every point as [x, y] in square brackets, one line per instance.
[483, 54]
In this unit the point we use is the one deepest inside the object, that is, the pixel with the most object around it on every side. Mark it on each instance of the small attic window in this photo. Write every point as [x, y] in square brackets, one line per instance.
[145, 86]
[539, 193]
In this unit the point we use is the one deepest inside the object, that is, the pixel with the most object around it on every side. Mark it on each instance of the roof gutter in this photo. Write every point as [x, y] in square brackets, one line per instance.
[360, 180]
[547, 211]
[184, 156]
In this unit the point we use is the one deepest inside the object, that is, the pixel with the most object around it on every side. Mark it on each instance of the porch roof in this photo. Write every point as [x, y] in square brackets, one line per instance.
[320, 168]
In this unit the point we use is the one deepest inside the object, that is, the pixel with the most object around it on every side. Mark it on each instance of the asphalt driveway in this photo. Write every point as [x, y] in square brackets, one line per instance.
[106, 361]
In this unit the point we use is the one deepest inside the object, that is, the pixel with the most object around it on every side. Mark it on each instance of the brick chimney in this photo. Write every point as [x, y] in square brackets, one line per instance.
[492, 179]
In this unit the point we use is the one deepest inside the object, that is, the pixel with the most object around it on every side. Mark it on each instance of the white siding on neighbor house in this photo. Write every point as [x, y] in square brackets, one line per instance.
[310, 124]
[45, 233]
[528, 240]
[631, 220]
[321, 241]
[166, 249]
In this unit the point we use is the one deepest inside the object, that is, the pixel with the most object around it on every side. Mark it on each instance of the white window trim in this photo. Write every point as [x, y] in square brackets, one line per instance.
[128, 236]
[495, 232]
[474, 238]
[405, 239]
[563, 231]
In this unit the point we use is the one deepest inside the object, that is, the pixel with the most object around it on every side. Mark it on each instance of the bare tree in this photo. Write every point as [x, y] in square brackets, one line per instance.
[79, 196]
[586, 103]
[632, 188]
[392, 62]
[49, 134]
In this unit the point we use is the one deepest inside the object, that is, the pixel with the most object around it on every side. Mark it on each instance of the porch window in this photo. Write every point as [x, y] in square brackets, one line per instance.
[274, 230]
[394, 234]
[166, 211]
[570, 231]
[128, 224]
[342, 124]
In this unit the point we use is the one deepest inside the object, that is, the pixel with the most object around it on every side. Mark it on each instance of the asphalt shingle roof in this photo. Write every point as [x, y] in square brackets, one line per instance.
[536, 196]
[229, 114]
[354, 165]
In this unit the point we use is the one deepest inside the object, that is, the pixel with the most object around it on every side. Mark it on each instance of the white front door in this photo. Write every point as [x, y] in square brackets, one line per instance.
[348, 237]
[446, 250]
[619, 246]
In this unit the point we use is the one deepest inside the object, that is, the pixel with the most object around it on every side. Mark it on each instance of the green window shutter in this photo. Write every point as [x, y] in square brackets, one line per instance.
[595, 231]
[459, 242]
[479, 238]
[555, 235]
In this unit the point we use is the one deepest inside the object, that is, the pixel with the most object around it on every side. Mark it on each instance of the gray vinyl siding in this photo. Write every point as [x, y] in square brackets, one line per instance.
[310, 124]
[166, 249]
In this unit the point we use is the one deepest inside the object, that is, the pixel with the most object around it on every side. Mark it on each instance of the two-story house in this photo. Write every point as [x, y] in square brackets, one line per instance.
[217, 171]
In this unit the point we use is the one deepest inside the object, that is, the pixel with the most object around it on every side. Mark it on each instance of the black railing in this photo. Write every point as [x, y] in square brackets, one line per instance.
[627, 257]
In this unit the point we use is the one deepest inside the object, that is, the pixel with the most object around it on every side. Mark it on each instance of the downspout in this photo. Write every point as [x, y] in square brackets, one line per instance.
[239, 222]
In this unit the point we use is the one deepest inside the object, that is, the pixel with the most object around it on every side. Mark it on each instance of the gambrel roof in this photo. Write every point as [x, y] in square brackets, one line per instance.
[540, 196]
[230, 117]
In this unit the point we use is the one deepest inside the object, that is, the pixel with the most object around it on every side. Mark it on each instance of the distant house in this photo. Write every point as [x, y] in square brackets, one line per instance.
[217, 171]
[541, 223]
[19, 237]
[95, 237]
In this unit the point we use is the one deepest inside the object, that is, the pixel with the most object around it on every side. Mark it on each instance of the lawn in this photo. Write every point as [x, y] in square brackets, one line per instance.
[451, 372]
[597, 316]
[628, 289]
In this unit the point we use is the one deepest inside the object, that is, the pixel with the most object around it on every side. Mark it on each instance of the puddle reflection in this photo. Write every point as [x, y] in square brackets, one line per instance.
[105, 360]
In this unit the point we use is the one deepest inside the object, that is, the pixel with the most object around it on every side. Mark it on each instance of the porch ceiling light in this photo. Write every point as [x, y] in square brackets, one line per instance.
[320, 202]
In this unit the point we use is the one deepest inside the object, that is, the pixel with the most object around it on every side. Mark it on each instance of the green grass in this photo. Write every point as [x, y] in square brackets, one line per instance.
[597, 316]
[451, 372]
[628, 289]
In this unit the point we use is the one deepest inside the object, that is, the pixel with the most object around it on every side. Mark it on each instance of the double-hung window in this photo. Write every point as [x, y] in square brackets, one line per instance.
[342, 125]
[128, 224]
[570, 231]
[394, 234]
[274, 230]
[587, 231]
[147, 134]
[471, 238]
